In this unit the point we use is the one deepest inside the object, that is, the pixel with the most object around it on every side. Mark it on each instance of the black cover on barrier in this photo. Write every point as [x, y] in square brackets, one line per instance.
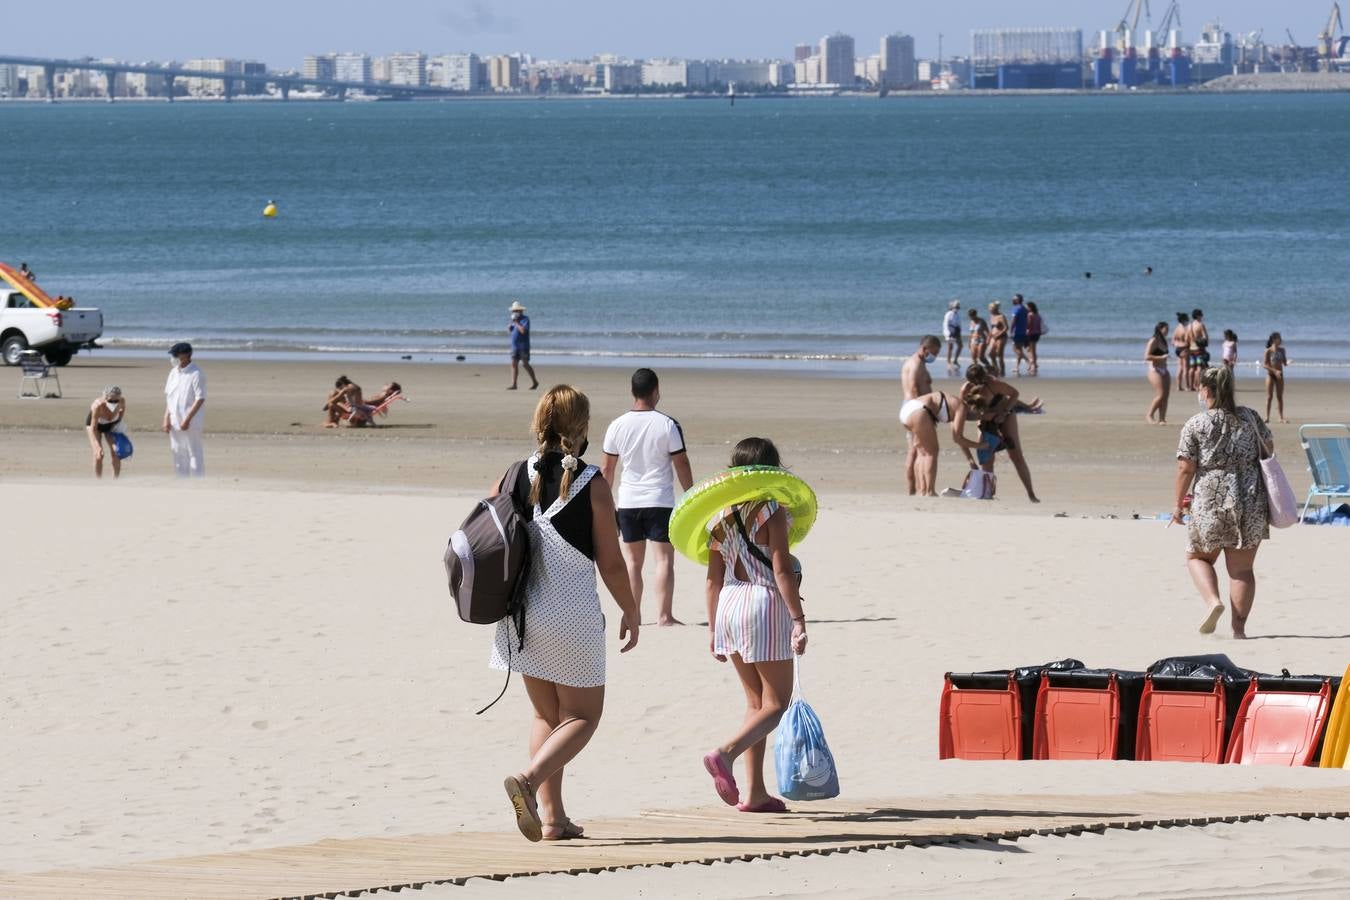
[1028, 679]
[1212, 665]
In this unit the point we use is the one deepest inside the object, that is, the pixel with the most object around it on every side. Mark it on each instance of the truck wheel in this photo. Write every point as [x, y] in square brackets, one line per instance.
[12, 348]
[59, 357]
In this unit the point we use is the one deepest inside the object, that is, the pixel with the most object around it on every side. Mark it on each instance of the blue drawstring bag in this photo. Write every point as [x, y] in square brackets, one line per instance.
[801, 756]
[122, 445]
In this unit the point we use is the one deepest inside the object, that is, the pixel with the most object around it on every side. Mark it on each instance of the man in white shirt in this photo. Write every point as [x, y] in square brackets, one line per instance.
[650, 445]
[184, 395]
[951, 330]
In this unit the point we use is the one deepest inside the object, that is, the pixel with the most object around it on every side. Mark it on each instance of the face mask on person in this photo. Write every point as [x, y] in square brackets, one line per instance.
[929, 358]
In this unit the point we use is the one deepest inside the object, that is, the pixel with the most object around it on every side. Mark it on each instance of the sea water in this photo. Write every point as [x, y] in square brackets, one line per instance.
[809, 233]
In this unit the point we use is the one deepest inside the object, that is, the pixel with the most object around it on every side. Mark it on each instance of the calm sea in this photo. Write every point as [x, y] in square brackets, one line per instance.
[820, 234]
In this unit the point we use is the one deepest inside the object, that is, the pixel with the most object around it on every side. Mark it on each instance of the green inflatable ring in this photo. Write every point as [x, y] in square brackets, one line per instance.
[742, 484]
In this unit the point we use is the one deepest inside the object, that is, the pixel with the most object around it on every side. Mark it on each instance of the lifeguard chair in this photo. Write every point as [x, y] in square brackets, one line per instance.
[37, 373]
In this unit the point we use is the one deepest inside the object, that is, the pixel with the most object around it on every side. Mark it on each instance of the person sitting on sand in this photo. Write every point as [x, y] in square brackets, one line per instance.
[756, 621]
[104, 416]
[346, 400]
[1155, 355]
[998, 418]
[921, 417]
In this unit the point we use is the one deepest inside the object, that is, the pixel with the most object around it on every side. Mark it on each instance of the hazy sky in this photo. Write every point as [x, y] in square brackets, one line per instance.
[281, 32]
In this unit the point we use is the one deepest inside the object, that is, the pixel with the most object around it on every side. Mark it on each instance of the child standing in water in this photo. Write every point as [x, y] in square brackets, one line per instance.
[1230, 348]
[756, 620]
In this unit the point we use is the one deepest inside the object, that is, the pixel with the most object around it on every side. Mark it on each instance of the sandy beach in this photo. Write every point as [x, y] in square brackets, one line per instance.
[270, 657]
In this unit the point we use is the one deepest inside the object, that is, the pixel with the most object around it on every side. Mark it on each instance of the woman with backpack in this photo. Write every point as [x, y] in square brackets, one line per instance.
[572, 534]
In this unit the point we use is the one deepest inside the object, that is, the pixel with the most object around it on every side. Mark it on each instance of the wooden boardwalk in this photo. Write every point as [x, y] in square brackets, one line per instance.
[705, 835]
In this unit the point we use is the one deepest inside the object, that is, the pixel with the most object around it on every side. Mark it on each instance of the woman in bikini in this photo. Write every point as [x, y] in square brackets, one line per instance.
[756, 621]
[1181, 345]
[921, 417]
[998, 338]
[1155, 355]
[1273, 361]
[104, 415]
[1199, 344]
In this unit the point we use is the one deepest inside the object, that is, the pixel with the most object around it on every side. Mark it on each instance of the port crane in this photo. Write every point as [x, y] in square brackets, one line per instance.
[1330, 43]
[1171, 19]
[1129, 23]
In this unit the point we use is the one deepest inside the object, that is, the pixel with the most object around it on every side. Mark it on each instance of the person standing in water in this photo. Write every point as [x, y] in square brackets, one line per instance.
[1181, 345]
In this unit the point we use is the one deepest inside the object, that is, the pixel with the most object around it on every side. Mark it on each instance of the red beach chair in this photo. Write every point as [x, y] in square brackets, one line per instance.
[1279, 721]
[1077, 716]
[1181, 719]
[365, 414]
[980, 717]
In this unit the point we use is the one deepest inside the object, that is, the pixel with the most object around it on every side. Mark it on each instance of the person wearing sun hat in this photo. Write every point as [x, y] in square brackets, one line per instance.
[519, 329]
[951, 330]
[184, 396]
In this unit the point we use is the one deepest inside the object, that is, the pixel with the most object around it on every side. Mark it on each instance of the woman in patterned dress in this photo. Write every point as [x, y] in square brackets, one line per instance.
[1219, 463]
[755, 616]
[573, 533]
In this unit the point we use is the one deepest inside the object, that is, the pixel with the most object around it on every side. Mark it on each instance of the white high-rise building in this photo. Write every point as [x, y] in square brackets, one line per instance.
[898, 66]
[461, 72]
[836, 59]
[351, 67]
[408, 68]
[211, 87]
[322, 66]
[667, 72]
[9, 81]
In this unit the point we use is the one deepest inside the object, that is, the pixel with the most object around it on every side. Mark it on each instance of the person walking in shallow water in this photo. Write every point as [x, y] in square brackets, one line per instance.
[572, 535]
[1219, 464]
[519, 329]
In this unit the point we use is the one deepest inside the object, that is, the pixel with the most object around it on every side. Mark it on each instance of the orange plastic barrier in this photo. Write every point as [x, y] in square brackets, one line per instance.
[26, 287]
[980, 718]
[1181, 720]
[1278, 724]
[1077, 716]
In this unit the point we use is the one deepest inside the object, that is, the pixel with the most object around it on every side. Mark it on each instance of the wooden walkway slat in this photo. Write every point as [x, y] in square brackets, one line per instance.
[331, 867]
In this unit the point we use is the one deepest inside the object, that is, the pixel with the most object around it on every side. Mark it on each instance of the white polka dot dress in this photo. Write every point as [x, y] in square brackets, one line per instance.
[564, 627]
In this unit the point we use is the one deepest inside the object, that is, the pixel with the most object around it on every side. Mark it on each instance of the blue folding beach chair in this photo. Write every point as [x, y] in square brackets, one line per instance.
[1328, 449]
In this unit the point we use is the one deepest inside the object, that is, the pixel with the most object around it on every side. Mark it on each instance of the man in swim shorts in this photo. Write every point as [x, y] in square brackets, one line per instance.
[915, 382]
[650, 444]
[1019, 330]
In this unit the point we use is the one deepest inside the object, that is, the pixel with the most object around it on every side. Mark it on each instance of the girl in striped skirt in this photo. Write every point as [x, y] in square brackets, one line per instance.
[755, 616]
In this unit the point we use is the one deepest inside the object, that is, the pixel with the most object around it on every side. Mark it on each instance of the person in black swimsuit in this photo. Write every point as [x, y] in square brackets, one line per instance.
[1199, 347]
[104, 415]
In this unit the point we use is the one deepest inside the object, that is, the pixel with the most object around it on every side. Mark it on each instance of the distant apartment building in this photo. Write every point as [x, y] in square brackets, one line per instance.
[379, 69]
[898, 66]
[209, 87]
[504, 73]
[9, 81]
[750, 73]
[321, 67]
[802, 51]
[867, 69]
[665, 73]
[620, 77]
[807, 71]
[146, 84]
[408, 69]
[352, 67]
[836, 59]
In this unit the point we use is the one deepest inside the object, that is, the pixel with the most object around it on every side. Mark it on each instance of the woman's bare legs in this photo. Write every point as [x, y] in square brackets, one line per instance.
[1241, 586]
[1279, 398]
[923, 436]
[1270, 393]
[1035, 361]
[1160, 395]
[1183, 372]
[565, 718]
[1019, 461]
[112, 454]
[768, 688]
[1201, 567]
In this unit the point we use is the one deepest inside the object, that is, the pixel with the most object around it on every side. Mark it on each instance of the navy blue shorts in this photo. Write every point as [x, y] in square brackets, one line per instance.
[648, 523]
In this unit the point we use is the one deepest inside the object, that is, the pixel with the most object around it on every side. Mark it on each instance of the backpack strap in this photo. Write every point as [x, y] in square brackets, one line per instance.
[578, 482]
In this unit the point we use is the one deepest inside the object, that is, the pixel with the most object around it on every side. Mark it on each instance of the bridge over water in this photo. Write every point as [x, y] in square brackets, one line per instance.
[284, 82]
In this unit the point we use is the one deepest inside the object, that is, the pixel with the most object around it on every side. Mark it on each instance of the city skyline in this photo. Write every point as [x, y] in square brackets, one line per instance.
[282, 35]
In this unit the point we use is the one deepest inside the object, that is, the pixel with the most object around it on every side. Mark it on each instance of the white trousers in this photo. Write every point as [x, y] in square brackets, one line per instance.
[186, 447]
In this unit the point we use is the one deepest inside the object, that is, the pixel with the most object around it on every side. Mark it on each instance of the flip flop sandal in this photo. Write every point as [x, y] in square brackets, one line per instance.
[723, 779]
[566, 830]
[1212, 620]
[522, 802]
[772, 805]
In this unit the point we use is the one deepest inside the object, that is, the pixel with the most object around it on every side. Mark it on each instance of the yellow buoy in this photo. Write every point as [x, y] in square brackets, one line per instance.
[270, 210]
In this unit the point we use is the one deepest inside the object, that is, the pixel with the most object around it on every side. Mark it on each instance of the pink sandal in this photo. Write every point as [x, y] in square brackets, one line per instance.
[723, 779]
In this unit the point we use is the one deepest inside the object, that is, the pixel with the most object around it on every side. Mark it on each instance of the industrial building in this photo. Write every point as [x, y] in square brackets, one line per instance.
[1026, 58]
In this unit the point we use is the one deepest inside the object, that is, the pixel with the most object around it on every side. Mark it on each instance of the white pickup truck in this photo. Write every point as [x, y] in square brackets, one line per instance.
[57, 333]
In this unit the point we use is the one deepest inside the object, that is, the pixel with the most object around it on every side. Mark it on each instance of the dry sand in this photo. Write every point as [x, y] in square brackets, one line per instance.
[270, 657]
